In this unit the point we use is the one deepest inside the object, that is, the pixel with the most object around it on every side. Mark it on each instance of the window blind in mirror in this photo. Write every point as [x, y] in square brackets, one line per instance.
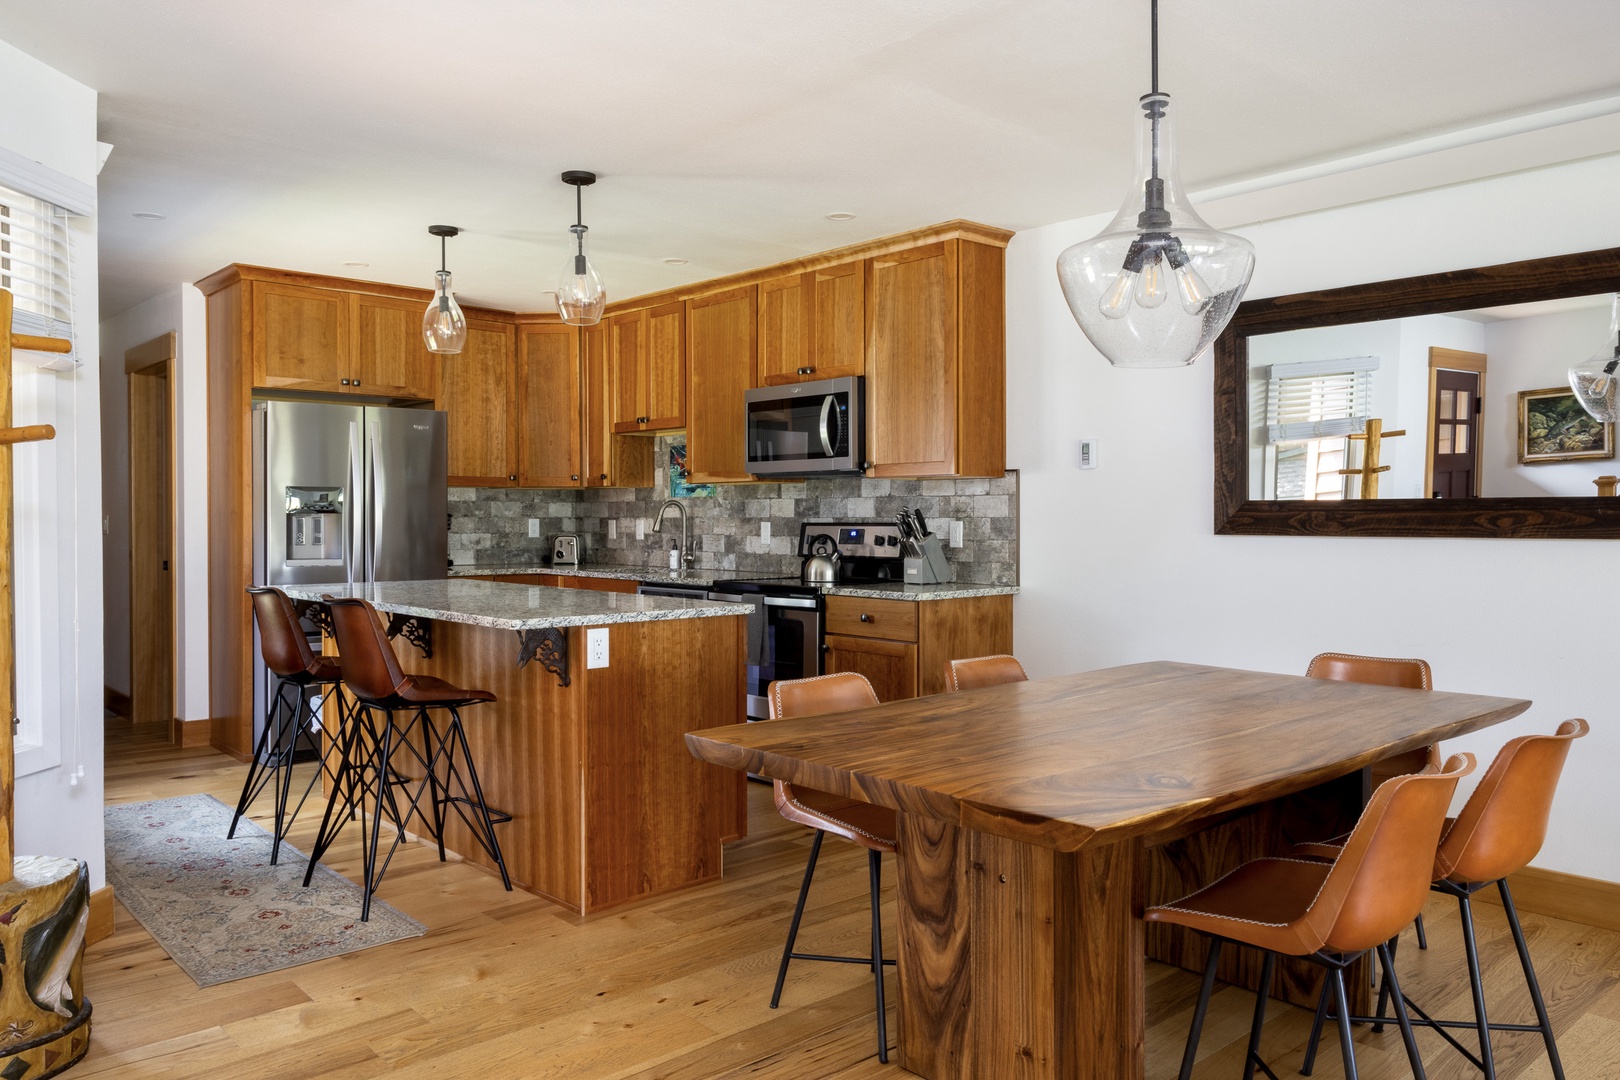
[1318, 399]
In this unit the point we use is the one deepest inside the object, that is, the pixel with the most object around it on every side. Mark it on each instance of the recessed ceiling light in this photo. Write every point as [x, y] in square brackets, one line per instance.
[147, 215]
[840, 216]
[356, 265]
[673, 261]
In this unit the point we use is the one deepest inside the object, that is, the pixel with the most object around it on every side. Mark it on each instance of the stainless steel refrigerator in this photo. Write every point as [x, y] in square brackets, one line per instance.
[345, 493]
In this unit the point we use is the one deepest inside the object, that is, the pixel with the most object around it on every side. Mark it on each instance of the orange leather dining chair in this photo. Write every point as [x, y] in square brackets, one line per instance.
[978, 671]
[871, 827]
[1499, 830]
[1329, 913]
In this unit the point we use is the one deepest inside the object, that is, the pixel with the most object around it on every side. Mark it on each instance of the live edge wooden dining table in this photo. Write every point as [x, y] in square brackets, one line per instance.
[1037, 819]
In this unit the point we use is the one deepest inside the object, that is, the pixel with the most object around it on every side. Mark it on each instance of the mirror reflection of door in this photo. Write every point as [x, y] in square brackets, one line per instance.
[1456, 399]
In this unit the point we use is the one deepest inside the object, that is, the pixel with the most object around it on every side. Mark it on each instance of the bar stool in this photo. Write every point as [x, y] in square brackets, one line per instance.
[289, 717]
[872, 827]
[1328, 913]
[1500, 829]
[372, 674]
[979, 671]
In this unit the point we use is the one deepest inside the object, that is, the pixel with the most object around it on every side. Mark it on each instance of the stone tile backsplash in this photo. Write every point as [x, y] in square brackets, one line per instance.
[491, 525]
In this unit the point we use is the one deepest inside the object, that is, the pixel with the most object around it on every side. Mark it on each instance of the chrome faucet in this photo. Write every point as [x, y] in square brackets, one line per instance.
[658, 527]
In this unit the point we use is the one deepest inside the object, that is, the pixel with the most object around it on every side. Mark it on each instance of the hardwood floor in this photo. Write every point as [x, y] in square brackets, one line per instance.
[511, 986]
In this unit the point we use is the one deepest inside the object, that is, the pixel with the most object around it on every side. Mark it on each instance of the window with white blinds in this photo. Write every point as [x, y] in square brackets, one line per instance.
[36, 265]
[1318, 399]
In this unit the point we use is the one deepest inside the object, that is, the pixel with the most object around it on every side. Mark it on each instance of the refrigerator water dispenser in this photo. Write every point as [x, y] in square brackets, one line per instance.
[314, 526]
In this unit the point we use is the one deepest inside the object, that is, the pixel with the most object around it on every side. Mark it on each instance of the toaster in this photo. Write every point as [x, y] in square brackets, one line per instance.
[565, 550]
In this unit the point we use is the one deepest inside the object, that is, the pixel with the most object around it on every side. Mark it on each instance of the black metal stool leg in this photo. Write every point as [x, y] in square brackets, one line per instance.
[1309, 1065]
[1340, 1005]
[1386, 956]
[1191, 1053]
[256, 766]
[1477, 986]
[436, 799]
[1261, 997]
[494, 845]
[874, 862]
[1530, 979]
[286, 749]
[1423, 936]
[1381, 1012]
[798, 914]
[375, 834]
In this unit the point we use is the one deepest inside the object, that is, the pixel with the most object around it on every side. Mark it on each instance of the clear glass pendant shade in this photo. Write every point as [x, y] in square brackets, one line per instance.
[1156, 286]
[444, 327]
[1596, 382]
[580, 295]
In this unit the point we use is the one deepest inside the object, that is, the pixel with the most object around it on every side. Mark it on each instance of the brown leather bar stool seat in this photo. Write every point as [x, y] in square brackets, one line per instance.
[1498, 831]
[291, 723]
[872, 827]
[371, 673]
[1328, 913]
[981, 671]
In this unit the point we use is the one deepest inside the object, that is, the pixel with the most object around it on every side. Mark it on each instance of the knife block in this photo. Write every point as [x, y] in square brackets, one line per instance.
[931, 568]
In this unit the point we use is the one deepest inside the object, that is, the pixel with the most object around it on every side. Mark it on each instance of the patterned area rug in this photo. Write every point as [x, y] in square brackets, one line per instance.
[219, 908]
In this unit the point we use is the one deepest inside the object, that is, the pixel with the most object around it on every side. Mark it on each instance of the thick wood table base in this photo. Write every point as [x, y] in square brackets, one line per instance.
[1016, 960]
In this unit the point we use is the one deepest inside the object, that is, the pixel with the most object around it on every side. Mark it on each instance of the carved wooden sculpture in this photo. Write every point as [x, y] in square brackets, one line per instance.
[44, 902]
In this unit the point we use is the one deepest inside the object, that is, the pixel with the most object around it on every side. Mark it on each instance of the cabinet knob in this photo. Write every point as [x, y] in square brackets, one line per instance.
[865, 617]
[573, 477]
[512, 477]
[604, 478]
[354, 382]
[345, 382]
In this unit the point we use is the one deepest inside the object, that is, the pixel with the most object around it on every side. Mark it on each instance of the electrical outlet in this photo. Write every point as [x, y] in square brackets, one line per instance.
[641, 528]
[956, 534]
[613, 528]
[765, 531]
[596, 647]
[534, 528]
[1088, 453]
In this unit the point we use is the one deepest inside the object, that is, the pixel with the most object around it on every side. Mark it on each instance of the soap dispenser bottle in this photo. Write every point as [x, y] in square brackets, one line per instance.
[674, 556]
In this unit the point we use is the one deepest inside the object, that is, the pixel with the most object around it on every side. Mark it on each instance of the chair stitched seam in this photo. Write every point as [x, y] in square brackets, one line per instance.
[1231, 918]
[1423, 667]
[823, 816]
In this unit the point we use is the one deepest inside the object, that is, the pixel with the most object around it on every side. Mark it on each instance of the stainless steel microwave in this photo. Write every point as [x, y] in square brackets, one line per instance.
[804, 428]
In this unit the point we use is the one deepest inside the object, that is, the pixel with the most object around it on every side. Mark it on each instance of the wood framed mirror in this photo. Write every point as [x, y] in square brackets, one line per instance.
[1570, 293]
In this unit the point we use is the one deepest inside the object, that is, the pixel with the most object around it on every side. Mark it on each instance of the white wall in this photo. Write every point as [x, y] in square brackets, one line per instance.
[1533, 354]
[1120, 564]
[180, 310]
[58, 510]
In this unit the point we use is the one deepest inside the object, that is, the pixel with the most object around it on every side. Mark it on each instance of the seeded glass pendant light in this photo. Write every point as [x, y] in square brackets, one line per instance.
[444, 327]
[1156, 286]
[580, 296]
[1596, 382]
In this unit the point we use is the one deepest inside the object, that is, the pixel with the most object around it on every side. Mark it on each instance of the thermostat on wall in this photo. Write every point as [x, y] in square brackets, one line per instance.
[1088, 453]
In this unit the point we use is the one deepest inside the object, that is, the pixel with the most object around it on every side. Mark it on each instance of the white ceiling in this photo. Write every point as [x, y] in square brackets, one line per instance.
[310, 133]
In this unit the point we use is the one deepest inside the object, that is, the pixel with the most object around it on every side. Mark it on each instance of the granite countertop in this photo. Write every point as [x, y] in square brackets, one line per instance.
[506, 606]
[955, 590]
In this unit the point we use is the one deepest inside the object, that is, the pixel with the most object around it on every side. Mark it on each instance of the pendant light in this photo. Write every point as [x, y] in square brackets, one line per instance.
[580, 296]
[1156, 286]
[1595, 381]
[444, 327]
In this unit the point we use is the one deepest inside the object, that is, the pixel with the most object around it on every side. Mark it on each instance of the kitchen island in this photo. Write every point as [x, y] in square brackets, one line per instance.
[606, 804]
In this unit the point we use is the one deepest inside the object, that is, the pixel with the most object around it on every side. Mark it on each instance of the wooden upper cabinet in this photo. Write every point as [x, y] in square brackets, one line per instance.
[813, 325]
[610, 460]
[721, 344]
[666, 367]
[935, 362]
[300, 338]
[390, 357]
[550, 406]
[477, 391]
[647, 350]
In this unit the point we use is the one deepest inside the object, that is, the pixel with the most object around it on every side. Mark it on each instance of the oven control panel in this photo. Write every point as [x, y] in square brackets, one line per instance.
[855, 540]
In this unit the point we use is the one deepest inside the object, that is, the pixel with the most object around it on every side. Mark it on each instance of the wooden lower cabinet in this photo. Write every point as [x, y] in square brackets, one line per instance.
[902, 646]
[567, 581]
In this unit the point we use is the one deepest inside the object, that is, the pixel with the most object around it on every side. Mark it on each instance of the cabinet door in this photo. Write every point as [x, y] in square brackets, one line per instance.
[627, 353]
[478, 395]
[911, 362]
[610, 460]
[721, 331]
[785, 314]
[666, 368]
[550, 412]
[838, 334]
[890, 666]
[300, 338]
[391, 359]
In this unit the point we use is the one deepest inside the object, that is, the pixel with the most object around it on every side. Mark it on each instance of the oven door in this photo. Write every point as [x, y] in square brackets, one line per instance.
[812, 427]
[791, 649]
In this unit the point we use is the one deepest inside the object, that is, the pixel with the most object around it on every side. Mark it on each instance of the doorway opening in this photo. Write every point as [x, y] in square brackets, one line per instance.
[1456, 407]
[150, 369]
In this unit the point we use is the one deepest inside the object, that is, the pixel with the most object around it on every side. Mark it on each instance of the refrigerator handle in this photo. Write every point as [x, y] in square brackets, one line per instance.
[351, 518]
[374, 540]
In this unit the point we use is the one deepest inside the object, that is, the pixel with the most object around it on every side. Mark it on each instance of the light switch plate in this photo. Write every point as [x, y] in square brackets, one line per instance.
[641, 528]
[596, 647]
[534, 528]
[613, 528]
[1088, 453]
